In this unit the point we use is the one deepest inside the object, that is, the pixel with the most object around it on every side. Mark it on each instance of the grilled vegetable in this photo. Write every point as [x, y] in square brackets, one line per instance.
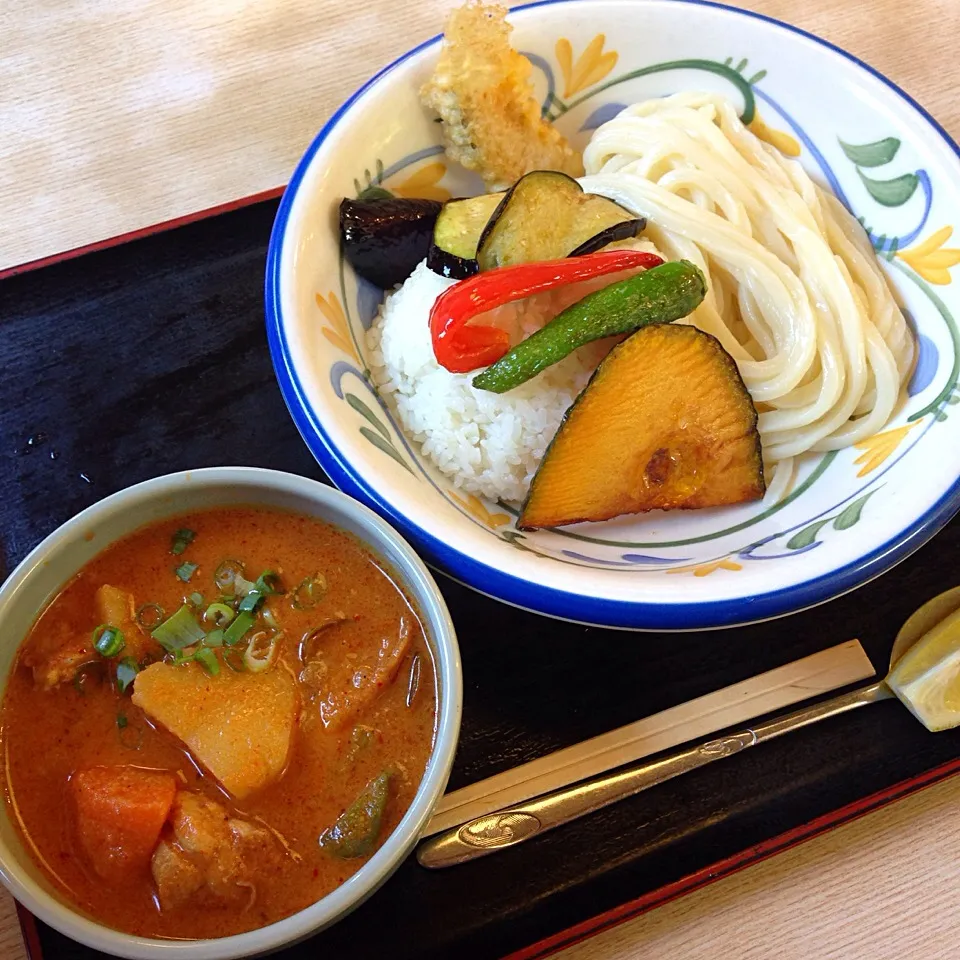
[456, 235]
[356, 830]
[659, 295]
[384, 239]
[545, 216]
[461, 347]
[665, 423]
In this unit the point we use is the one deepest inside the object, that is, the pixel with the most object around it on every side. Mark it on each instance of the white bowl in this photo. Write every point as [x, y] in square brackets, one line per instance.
[851, 515]
[44, 571]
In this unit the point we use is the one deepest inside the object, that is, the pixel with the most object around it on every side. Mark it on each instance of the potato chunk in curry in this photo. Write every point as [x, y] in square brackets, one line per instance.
[237, 725]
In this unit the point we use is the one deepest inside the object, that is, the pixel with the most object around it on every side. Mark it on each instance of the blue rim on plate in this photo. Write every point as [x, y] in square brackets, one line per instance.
[535, 597]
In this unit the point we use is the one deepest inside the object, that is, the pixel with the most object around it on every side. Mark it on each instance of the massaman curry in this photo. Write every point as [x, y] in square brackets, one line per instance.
[217, 722]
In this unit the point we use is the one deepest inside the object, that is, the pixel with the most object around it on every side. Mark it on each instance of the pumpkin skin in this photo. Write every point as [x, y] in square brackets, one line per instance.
[665, 423]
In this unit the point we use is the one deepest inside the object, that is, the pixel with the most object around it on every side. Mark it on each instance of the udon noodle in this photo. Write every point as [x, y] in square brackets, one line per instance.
[795, 293]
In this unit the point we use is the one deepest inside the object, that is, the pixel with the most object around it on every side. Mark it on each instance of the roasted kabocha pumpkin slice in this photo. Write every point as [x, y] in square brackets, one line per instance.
[665, 423]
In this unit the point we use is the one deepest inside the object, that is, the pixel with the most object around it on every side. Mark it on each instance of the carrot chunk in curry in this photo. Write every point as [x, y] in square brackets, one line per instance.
[237, 706]
[120, 813]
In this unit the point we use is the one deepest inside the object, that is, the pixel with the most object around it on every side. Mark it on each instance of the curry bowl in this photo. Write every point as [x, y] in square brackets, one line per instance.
[841, 518]
[369, 837]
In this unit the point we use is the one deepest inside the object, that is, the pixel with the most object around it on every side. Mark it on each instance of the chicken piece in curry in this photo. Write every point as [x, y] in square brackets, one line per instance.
[235, 708]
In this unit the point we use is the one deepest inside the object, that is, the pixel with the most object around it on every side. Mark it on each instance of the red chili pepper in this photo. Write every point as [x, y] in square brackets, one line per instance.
[461, 348]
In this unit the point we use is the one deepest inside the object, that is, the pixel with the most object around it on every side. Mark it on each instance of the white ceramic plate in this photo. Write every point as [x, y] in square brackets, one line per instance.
[850, 515]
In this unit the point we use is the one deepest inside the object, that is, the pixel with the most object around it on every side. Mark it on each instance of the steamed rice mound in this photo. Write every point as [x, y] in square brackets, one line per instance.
[488, 444]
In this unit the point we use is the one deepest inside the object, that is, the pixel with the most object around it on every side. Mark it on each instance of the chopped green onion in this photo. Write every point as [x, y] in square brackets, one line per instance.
[121, 720]
[268, 582]
[309, 592]
[226, 575]
[208, 660]
[235, 632]
[108, 641]
[179, 631]
[251, 601]
[186, 570]
[218, 614]
[127, 671]
[150, 615]
[181, 540]
[242, 587]
[196, 599]
[261, 651]
[214, 638]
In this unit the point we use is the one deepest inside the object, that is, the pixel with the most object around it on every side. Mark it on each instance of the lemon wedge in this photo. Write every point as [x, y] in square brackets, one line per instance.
[927, 677]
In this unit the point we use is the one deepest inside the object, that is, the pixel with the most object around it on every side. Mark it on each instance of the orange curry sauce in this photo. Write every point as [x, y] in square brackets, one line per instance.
[49, 735]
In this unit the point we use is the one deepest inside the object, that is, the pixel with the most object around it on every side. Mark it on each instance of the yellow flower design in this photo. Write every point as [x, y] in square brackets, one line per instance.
[931, 259]
[705, 569]
[424, 183]
[474, 506]
[877, 448]
[591, 67]
[339, 335]
[776, 138]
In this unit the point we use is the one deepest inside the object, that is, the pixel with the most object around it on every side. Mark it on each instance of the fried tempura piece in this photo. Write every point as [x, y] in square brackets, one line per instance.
[482, 90]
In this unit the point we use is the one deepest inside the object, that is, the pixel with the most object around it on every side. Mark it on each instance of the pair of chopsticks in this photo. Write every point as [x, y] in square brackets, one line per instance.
[803, 679]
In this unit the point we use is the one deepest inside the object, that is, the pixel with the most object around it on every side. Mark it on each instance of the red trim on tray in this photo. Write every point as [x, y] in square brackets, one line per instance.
[694, 881]
[633, 908]
[724, 868]
[31, 939]
[271, 194]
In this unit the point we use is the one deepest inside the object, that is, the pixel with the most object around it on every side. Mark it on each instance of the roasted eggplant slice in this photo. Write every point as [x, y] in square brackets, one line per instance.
[625, 230]
[457, 233]
[384, 239]
[547, 216]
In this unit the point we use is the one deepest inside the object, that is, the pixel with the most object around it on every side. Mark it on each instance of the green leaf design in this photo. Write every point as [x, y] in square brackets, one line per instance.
[851, 514]
[807, 535]
[891, 193]
[374, 192]
[385, 446]
[757, 77]
[514, 538]
[874, 154]
[367, 414]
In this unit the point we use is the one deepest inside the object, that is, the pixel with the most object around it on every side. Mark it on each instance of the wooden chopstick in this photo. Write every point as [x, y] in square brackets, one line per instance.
[809, 677]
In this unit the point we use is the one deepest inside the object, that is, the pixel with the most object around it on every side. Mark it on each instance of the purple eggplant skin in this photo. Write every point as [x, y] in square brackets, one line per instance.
[385, 238]
[449, 265]
[626, 230]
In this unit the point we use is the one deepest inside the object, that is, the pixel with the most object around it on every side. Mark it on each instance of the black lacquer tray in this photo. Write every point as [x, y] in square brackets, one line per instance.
[151, 357]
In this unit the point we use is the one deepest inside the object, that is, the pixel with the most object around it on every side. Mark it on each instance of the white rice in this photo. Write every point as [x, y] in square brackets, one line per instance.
[488, 444]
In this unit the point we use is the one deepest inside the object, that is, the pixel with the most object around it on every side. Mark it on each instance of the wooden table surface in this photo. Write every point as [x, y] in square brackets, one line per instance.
[120, 114]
